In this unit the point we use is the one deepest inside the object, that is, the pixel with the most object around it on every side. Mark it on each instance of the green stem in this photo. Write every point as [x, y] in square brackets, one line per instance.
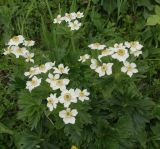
[49, 10]
[72, 42]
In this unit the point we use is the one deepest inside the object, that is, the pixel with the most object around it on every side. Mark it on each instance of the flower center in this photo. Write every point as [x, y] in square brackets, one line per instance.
[129, 68]
[105, 52]
[104, 68]
[81, 94]
[15, 38]
[42, 67]
[59, 82]
[68, 113]
[19, 50]
[67, 97]
[121, 52]
[33, 82]
[50, 101]
[133, 44]
[61, 69]
[96, 45]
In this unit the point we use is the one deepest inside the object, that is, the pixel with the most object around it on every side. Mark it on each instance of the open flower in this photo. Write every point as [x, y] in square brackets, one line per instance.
[94, 64]
[16, 40]
[74, 25]
[29, 43]
[104, 69]
[61, 69]
[46, 67]
[17, 51]
[29, 57]
[70, 16]
[7, 51]
[135, 48]
[119, 46]
[129, 68]
[82, 94]
[67, 97]
[68, 115]
[120, 54]
[79, 15]
[58, 19]
[51, 78]
[32, 71]
[83, 58]
[52, 101]
[133, 45]
[106, 52]
[30, 85]
[96, 46]
[59, 84]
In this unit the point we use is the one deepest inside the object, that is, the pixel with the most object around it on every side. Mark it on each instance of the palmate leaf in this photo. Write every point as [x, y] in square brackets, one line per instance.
[133, 112]
[31, 108]
[26, 140]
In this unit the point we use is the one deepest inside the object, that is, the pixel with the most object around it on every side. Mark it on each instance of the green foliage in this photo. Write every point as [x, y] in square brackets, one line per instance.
[122, 113]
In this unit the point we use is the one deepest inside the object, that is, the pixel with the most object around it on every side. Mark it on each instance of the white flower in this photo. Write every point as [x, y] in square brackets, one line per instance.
[135, 48]
[61, 69]
[74, 25]
[32, 71]
[79, 15]
[119, 46]
[83, 58]
[59, 84]
[129, 68]
[8, 51]
[52, 101]
[96, 46]
[16, 40]
[17, 51]
[29, 43]
[136, 53]
[120, 54]
[67, 97]
[30, 85]
[68, 115]
[70, 16]
[94, 64]
[104, 69]
[52, 78]
[58, 19]
[106, 52]
[29, 57]
[46, 67]
[133, 45]
[82, 94]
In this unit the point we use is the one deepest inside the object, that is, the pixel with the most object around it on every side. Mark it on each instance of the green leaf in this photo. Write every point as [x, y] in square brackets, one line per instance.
[153, 20]
[5, 129]
[157, 10]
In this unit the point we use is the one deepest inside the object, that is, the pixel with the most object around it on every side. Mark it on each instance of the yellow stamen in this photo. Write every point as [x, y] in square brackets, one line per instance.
[121, 52]
[15, 38]
[67, 97]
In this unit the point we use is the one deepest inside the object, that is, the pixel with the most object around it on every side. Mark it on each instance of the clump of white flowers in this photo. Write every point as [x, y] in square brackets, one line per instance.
[122, 52]
[17, 46]
[56, 79]
[58, 83]
[71, 19]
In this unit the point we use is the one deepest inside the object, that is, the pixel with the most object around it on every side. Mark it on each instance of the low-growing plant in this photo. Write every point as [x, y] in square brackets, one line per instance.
[89, 79]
